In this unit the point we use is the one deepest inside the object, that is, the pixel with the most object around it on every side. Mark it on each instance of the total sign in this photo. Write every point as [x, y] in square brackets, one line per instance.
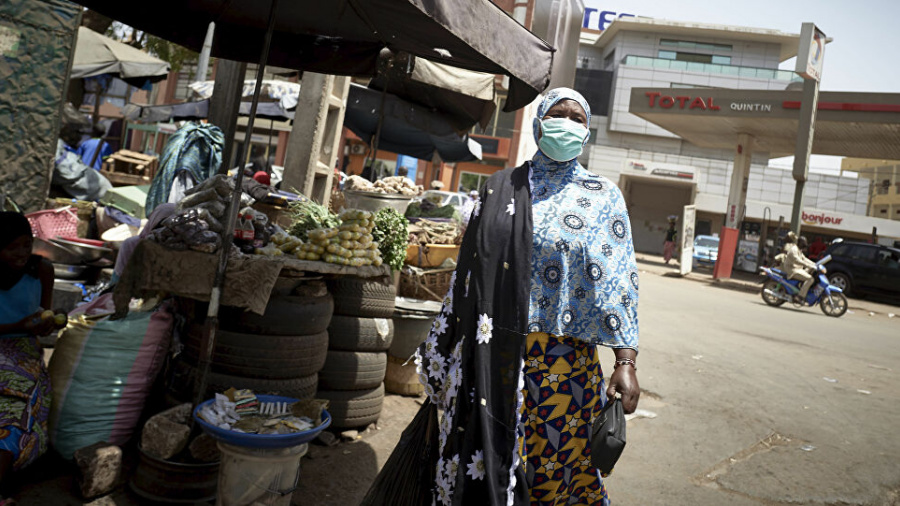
[597, 17]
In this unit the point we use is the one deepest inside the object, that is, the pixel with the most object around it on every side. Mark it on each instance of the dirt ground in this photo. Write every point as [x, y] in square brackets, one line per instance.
[329, 475]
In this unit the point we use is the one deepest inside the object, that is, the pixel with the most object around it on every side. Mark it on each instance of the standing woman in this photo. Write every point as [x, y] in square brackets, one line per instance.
[26, 286]
[546, 272]
[669, 244]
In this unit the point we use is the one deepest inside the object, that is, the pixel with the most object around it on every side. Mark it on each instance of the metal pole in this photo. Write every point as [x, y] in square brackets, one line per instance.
[212, 316]
[798, 206]
[203, 60]
[806, 129]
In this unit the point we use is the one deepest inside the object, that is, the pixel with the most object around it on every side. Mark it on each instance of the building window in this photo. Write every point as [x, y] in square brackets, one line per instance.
[694, 57]
[469, 181]
[687, 44]
[609, 60]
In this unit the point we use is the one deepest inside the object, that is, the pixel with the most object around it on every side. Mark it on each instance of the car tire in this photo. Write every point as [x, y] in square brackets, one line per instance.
[185, 376]
[261, 356]
[842, 281]
[367, 297]
[354, 408]
[353, 333]
[284, 316]
[352, 370]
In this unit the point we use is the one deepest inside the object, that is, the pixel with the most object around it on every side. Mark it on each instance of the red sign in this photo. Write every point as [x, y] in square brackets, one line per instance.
[820, 219]
[683, 101]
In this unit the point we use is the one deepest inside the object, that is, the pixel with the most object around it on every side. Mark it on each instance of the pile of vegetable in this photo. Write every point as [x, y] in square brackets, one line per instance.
[198, 223]
[306, 215]
[434, 232]
[396, 185]
[426, 209]
[350, 243]
[391, 234]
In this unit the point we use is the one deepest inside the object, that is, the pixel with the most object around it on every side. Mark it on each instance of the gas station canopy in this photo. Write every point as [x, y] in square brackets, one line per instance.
[860, 125]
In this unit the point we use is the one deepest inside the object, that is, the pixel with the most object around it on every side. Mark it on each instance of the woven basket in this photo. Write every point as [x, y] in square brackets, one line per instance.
[430, 285]
[50, 223]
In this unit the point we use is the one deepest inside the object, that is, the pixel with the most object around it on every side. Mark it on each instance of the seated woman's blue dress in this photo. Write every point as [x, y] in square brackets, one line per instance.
[24, 381]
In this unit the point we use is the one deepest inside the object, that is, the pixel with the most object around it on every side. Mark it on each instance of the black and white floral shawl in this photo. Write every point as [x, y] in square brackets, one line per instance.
[471, 364]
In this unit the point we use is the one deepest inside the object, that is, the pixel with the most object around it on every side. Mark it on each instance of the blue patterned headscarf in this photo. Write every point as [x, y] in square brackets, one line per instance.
[554, 96]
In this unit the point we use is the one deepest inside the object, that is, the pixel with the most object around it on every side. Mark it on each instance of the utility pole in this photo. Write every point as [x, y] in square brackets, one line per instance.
[226, 103]
[809, 65]
[203, 60]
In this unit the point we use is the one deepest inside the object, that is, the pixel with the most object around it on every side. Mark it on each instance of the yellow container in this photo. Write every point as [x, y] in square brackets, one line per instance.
[432, 255]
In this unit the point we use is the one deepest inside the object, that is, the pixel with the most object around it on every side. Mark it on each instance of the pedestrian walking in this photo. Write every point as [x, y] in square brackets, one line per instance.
[671, 236]
[546, 273]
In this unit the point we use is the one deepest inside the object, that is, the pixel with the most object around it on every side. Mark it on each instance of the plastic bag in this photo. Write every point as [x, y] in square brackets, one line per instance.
[407, 477]
[102, 371]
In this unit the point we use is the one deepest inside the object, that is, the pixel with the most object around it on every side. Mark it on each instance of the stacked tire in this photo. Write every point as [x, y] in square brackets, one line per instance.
[359, 336]
[280, 352]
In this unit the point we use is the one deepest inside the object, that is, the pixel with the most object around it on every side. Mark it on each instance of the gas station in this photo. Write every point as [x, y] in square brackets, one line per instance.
[862, 125]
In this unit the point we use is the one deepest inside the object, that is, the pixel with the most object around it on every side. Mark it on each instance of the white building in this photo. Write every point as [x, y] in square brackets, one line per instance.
[659, 172]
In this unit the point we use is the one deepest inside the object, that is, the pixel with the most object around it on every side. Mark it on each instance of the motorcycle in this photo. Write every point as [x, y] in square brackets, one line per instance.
[777, 290]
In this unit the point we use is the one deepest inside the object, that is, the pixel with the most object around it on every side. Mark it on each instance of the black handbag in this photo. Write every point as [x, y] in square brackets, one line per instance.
[608, 436]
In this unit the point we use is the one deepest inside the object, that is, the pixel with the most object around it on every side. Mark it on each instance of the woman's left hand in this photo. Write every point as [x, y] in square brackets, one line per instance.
[624, 381]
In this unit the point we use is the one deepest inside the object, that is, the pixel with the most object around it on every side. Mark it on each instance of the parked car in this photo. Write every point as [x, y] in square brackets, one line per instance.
[706, 250]
[863, 268]
[443, 198]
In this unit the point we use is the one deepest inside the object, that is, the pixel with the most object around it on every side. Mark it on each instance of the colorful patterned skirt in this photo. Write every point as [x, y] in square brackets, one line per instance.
[564, 390]
[24, 399]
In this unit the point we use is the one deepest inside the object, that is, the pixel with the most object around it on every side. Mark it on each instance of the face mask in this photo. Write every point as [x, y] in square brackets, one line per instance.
[562, 139]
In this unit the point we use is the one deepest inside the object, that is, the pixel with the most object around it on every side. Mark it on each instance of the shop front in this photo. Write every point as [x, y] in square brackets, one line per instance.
[654, 191]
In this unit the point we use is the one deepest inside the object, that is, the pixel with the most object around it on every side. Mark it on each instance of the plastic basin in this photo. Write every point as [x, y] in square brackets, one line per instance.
[432, 256]
[261, 440]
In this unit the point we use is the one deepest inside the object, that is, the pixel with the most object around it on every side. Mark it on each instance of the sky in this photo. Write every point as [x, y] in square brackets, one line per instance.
[858, 59]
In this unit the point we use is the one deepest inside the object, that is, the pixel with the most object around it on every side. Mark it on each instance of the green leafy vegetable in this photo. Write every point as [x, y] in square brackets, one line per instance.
[307, 215]
[392, 236]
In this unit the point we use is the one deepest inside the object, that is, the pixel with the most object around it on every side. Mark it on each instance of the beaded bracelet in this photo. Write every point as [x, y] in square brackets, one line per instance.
[625, 361]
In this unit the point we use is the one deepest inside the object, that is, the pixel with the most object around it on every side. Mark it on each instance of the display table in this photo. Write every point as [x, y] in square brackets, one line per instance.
[249, 279]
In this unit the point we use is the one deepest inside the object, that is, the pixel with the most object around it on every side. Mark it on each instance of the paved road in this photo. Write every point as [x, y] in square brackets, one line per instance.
[758, 405]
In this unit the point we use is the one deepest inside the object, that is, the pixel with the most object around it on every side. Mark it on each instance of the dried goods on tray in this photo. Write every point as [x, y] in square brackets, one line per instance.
[241, 411]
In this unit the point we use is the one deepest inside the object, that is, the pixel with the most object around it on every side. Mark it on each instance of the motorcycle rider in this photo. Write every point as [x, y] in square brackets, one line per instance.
[795, 265]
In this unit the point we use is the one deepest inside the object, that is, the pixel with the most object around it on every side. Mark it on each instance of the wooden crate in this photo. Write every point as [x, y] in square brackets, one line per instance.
[129, 168]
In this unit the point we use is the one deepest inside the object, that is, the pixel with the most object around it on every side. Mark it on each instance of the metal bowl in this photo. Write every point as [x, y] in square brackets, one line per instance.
[87, 252]
[369, 201]
[56, 253]
[68, 271]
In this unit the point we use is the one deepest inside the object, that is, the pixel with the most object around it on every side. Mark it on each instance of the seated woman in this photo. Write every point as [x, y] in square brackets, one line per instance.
[26, 288]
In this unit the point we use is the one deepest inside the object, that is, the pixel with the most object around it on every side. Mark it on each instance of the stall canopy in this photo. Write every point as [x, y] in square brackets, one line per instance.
[465, 98]
[97, 55]
[191, 111]
[406, 128]
[344, 37]
[284, 92]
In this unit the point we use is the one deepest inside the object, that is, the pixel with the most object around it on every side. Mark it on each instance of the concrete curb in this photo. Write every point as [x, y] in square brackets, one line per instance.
[656, 268]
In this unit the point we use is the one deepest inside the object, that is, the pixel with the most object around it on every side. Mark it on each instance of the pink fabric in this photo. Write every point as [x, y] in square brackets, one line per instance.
[161, 212]
[668, 250]
[143, 373]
